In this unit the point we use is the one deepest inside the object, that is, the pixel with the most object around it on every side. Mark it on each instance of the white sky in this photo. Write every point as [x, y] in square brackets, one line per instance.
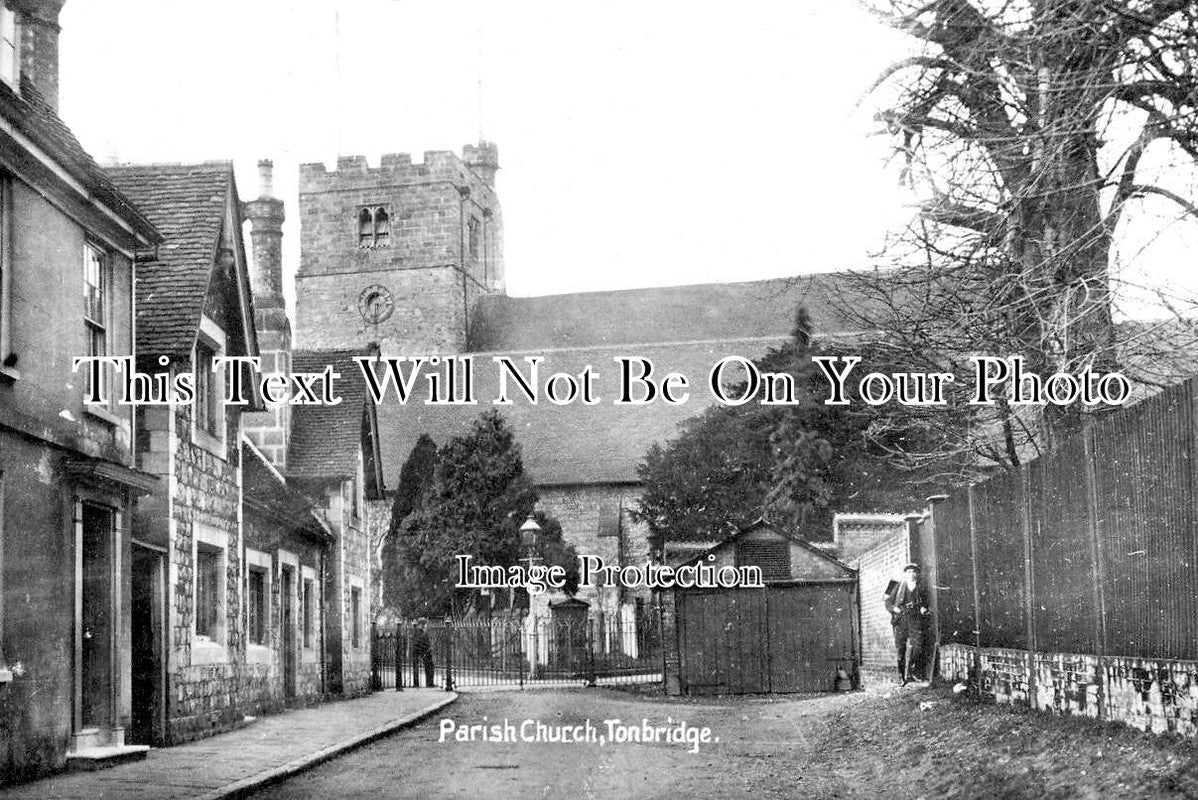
[641, 143]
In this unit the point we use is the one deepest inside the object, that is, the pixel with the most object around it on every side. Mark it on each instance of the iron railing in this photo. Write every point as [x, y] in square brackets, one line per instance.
[518, 651]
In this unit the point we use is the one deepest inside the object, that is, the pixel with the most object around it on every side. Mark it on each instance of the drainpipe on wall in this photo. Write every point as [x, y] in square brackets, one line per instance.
[463, 197]
[324, 591]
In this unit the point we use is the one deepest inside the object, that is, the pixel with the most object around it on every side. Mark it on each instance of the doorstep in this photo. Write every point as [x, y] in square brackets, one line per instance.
[102, 757]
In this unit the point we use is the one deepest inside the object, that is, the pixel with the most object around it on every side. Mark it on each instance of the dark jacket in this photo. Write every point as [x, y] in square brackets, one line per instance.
[903, 598]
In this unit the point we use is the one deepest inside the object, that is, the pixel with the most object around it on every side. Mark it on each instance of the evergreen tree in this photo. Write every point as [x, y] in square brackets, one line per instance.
[415, 476]
[474, 505]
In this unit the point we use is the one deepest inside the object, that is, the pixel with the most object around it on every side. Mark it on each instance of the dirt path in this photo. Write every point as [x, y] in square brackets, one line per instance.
[861, 745]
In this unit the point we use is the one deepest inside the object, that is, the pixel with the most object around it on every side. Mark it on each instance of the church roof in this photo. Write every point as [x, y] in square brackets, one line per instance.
[684, 329]
[187, 203]
[701, 312]
[575, 443]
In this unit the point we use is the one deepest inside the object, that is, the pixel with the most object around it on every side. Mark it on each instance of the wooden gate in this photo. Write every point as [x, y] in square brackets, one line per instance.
[791, 638]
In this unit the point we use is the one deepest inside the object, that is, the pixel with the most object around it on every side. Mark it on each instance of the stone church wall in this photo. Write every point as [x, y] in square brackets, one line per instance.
[580, 510]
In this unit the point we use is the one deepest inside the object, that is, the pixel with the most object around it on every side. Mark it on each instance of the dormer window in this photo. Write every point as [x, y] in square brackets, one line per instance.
[374, 227]
[10, 55]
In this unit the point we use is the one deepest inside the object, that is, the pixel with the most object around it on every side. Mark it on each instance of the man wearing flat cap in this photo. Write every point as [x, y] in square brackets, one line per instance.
[907, 603]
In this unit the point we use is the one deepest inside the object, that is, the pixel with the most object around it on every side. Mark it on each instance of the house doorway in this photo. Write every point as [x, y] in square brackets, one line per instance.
[147, 725]
[96, 628]
[289, 649]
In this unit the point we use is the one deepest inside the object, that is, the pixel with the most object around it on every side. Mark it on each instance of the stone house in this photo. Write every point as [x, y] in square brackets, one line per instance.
[227, 623]
[288, 550]
[333, 457]
[68, 474]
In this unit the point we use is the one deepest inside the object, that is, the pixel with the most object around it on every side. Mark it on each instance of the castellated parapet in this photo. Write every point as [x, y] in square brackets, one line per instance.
[398, 253]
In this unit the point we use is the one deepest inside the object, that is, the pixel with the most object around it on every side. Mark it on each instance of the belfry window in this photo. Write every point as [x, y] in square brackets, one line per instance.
[382, 227]
[374, 227]
[365, 228]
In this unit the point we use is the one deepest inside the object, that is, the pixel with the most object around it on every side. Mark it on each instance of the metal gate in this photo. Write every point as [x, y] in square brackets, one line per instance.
[795, 638]
[523, 651]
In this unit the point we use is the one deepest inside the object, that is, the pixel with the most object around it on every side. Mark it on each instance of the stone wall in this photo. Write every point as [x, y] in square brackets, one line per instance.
[579, 509]
[205, 693]
[425, 263]
[355, 670]
[302, 553]
[377, 521]
[1154, 695]
[36, 519]
[1005, 674]
[349, 568]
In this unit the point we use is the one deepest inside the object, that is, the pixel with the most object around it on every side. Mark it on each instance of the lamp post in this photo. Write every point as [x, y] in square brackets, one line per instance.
[530, 536]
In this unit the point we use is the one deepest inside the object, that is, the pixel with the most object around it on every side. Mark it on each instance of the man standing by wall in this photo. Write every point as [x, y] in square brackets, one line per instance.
[907, 603]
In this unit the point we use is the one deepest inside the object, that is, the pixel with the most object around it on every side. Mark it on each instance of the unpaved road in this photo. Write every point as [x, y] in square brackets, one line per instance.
[860, 745]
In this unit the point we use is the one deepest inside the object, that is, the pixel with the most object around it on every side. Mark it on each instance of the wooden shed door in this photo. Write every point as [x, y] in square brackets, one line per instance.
[782, 639]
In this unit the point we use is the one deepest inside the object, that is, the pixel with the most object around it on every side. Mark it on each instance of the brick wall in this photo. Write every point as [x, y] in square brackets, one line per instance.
[426, 263]
[854, 534]
[877, 567]
[269, 429]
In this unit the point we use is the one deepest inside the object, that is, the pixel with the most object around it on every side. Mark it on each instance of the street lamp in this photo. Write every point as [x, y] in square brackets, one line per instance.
[530, 533]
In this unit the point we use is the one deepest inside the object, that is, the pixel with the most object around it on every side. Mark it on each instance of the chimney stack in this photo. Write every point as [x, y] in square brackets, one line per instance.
[270, 429]
[266, 233]
[38, 20]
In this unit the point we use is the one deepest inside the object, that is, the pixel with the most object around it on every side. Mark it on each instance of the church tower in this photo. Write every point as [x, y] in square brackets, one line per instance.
[397, 254]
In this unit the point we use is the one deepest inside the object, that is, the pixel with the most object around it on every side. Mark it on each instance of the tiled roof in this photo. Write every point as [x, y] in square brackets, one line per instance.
[265, 489]
[32, 116]
[569, 444]
[703, 312]
[812, 547]
[684, 329]
[326, 440]
[186, 202]
[1157, 353]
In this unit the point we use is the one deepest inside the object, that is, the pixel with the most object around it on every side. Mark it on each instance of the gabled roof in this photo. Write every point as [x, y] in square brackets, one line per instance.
[794, 538]
[265, 490]
[35, 119]
[327, 441]
[697, 313]
[189, 204]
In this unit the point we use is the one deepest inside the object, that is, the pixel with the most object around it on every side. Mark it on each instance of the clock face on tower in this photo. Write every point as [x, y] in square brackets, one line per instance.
[375, 303]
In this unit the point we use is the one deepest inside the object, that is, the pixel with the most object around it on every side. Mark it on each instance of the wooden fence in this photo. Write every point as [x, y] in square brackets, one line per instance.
[1090, 549]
